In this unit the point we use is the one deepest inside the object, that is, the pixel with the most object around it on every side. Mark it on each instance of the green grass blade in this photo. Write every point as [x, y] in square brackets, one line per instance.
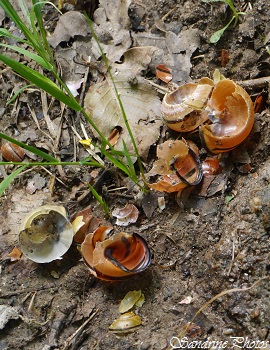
[120, 165]
[7, 181]
[129, 162]
[29, 148]
[31, 55]
[100, 200]
[4, 32]
[10, 11]
[18, 93]
[25, 12]
[41, 81]
[36, 12]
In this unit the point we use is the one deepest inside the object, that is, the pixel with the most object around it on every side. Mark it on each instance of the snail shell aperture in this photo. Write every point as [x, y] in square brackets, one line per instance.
[182, 108]
[115, 257]
[231, 112]
[45, 234]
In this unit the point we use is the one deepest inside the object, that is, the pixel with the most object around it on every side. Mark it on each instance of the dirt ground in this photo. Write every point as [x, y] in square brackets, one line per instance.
[218, 242]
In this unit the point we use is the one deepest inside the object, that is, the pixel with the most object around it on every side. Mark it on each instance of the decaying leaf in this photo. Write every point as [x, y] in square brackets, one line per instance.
[70, 24]
[112, 27]
[36, 183]
[175, 51]
[140, 102]
[149, 203]
[126, 215]
[8, 313]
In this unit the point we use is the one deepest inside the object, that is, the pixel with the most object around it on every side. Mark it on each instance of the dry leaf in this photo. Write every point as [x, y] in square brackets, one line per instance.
[70, 24]
[8, 313]
[112, 27]
[140, 101]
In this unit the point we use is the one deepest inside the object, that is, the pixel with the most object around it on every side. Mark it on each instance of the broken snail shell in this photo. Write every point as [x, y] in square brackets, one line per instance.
[211, 166]
[182, 108]
[133, 297]
[12, 152]
[46, 234]
[178, 166]
[115, 257]
[127, 322]
[231, 112]
[126, 215]
[83, 222]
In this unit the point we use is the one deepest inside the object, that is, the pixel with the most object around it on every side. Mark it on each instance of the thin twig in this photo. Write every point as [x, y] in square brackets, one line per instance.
[56, 178]
[258, 83]
[79, 330]
[233, 255]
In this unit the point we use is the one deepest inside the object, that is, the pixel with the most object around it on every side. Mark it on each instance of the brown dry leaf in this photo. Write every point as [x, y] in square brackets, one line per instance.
[70, 24]
[175, 51]
[140, 101]
[15, 254]
[112, 27]
[224, 57]
[126, 215]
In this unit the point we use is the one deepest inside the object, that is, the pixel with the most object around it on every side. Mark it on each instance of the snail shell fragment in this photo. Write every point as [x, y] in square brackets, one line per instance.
[45, 234]
[178, 166]
[127, 322]
[231, 112]
[182, 108]
[133, 297]
[115, 257]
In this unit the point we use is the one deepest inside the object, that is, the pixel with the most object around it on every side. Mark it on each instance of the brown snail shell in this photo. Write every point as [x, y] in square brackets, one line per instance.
[231, 112]
[211, 166]
[115, 257]
[12, 152]
[178, 165]
[182, 108]
[83, 222]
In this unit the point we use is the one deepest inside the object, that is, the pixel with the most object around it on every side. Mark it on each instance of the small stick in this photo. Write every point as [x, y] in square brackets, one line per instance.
[79, 330]
[255, 83]
[233, 255]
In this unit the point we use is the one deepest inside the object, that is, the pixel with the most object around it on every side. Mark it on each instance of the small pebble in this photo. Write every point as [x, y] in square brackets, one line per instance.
[228, 331]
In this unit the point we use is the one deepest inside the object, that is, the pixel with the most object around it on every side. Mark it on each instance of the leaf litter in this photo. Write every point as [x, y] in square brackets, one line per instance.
[191, 231]
[140, 101]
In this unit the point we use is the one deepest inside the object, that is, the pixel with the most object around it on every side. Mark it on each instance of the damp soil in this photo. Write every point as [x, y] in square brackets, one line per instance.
[219, 242]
